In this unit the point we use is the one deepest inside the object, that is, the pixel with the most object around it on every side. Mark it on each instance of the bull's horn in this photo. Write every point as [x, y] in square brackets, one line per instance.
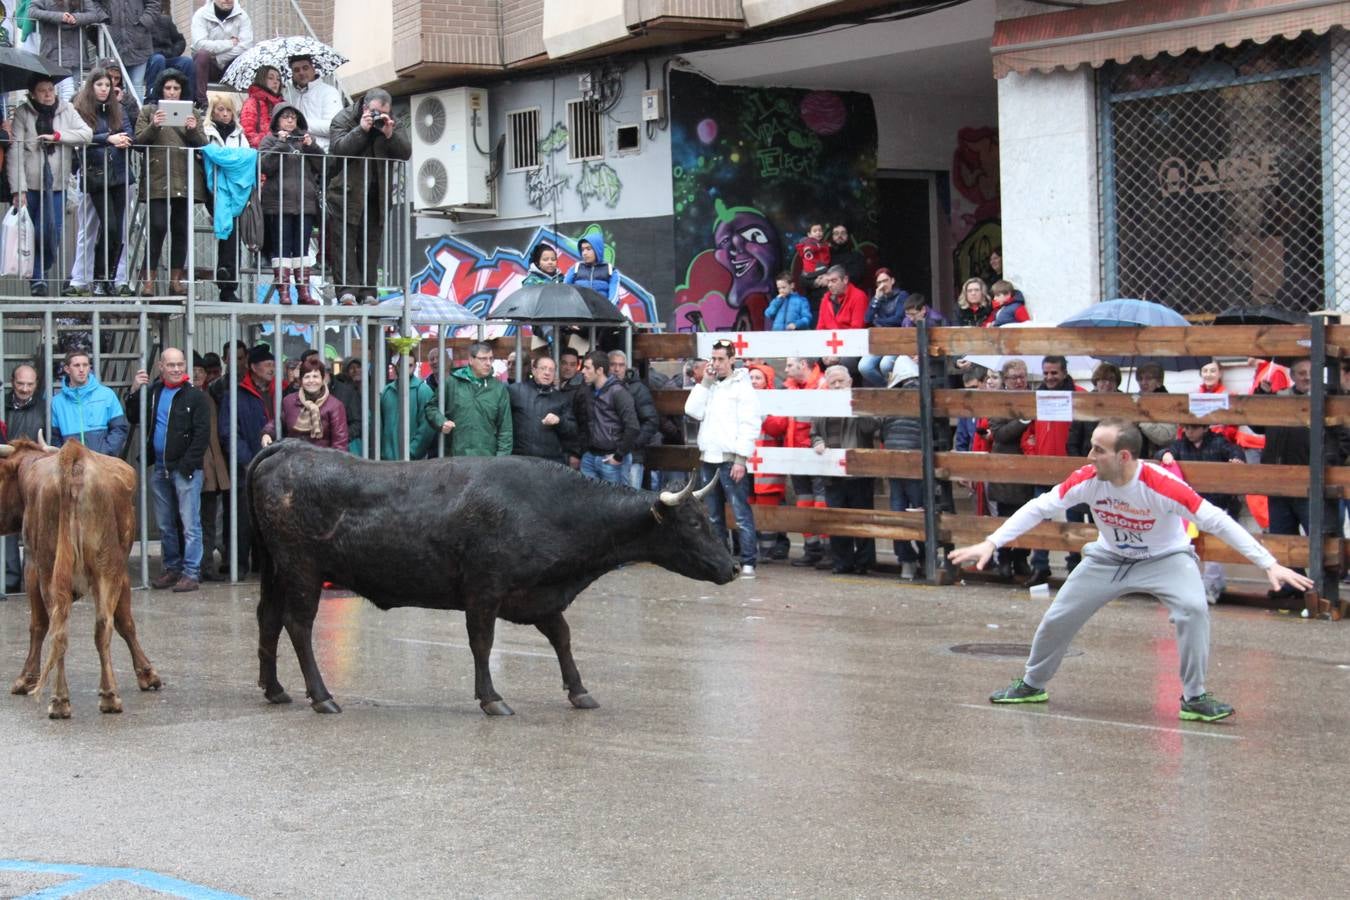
[703, 491]
[42, 443]
[671, 498]
[6, 450]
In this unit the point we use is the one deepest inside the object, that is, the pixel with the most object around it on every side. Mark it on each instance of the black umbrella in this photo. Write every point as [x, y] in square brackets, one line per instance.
[556, 303]
[18, 66]
[1261, 314]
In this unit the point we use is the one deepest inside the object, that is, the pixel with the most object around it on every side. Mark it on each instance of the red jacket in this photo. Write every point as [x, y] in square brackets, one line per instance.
[256, 115]
[1049, 438]
[772, 430]
[799, 430]
[850, 314]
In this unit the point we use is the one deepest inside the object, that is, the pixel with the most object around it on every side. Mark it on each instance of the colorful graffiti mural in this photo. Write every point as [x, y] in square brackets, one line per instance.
[545, 185]
[479, 280]
[753, 176]
[976, 209]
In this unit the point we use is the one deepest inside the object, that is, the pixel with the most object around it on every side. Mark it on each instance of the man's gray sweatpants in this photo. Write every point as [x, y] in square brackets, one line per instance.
[1102, 577]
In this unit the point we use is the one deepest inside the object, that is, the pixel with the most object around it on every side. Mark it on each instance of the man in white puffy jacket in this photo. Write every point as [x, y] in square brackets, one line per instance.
[221, 32]
[726, 406]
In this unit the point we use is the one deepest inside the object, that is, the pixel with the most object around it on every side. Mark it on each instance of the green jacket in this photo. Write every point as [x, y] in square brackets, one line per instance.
[481, 411]
[421, 406]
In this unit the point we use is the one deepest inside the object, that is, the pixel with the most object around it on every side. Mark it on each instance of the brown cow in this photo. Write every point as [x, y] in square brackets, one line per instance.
[76, 508]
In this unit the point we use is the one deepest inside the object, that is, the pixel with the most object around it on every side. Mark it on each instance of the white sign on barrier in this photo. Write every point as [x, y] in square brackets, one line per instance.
[778, 344]
[797, 461]
[806, 404]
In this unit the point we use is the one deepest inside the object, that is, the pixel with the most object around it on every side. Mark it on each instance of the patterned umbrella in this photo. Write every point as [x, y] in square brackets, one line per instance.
[277, 53]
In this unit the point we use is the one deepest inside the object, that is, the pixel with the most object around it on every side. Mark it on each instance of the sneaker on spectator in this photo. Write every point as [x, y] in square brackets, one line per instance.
[102, 289]
[347, 299]
[39, 289]
[907, 571]
[124, 290]
[76, 290]
[747, 571]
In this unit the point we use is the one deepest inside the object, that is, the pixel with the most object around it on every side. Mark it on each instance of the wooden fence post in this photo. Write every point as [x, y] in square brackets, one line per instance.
[930, 513]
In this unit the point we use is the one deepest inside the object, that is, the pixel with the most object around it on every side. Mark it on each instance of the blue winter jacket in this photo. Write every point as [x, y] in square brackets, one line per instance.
[599, 277]
[90, 414]
[231, 173]
[887, 311]
[254, 414]
[794, 309]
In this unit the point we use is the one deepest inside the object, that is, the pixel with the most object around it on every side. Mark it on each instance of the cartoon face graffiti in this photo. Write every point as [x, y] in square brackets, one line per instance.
[746, 245]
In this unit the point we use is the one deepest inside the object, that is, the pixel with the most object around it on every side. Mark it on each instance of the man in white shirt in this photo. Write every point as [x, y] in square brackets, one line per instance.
[726, 406]
[1142, 547]
[318, 101]
[221, 32]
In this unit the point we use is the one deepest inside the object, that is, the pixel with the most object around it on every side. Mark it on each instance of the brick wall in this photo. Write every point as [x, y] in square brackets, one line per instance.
[446, 31]
[523, 25]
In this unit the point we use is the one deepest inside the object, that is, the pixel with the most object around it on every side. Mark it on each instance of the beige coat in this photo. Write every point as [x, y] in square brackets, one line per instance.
[215, 464]
[26, 156]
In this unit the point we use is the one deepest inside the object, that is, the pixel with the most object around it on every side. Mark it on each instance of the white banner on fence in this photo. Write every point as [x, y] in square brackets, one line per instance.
[806, 404]
[797, 461]
[778, 344]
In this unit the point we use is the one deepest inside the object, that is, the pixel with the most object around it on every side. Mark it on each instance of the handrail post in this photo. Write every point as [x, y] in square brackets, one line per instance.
[1317, 475]
[930, 517]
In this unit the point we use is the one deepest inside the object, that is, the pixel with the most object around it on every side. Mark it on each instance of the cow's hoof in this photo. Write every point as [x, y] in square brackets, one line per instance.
[23, 685]
[278, 698]
[497, 708]
[58, 709]
[109, 704]
[148, 680]
[583, 701]
[325, 706]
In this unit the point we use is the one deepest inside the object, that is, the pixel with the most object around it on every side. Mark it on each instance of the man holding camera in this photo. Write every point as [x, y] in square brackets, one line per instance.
[358, 191]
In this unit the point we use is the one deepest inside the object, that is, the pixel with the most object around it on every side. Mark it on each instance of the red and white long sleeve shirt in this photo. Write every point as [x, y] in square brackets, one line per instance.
[1142, 519]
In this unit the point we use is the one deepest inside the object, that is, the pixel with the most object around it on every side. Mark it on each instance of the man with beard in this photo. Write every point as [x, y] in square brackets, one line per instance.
[842, 253]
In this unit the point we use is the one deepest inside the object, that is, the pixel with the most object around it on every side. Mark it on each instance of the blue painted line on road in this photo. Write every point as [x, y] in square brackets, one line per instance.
[87, 878]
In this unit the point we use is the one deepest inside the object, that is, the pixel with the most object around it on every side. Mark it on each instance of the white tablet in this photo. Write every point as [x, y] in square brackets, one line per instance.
[176, 112]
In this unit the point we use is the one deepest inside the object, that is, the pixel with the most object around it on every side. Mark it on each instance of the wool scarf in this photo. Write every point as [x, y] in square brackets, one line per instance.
[310, 419]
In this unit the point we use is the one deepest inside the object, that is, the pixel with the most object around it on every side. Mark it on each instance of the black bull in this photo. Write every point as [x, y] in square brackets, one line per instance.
[512, 538]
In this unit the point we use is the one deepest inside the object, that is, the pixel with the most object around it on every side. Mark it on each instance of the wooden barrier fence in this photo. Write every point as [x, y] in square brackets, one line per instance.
[1319, 341]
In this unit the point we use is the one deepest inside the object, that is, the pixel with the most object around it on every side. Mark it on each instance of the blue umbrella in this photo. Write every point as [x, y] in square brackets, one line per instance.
[1128, 313]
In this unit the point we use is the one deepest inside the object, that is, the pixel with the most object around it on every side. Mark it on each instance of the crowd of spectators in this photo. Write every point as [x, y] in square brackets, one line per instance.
[90, 143]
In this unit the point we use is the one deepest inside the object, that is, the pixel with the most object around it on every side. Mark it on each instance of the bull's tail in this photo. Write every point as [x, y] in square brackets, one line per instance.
[60, 593]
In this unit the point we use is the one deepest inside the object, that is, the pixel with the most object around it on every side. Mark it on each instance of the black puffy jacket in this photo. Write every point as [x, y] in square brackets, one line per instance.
[530, 403]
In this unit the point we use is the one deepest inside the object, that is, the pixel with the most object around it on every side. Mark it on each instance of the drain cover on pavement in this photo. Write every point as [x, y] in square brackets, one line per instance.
[1001, 651]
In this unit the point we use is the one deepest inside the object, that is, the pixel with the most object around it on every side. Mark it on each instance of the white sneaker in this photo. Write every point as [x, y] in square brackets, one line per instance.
[907, 571]
[747, 571]
[1212, 592]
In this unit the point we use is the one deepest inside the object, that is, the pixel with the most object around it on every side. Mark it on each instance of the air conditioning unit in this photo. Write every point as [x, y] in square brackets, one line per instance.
[451, 150]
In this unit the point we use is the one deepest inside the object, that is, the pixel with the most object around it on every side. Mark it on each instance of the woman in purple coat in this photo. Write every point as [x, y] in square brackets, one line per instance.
[312, 414]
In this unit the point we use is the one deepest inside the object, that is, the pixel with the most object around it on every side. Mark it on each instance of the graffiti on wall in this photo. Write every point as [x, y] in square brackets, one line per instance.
[479, 280]
[545, 185]
[750, 178]
[975, 214]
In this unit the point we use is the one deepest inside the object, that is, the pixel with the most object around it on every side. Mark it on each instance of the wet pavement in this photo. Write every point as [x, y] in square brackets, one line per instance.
[798, 735]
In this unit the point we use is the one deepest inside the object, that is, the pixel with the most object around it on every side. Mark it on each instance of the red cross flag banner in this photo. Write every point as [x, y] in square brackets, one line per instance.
[780, 344]
[797, 461]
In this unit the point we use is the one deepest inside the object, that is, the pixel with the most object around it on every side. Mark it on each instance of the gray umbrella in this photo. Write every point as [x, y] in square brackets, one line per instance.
[557, 303]
[18, 66]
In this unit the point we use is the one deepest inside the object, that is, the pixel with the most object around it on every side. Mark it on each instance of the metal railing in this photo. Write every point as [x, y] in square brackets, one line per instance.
[136, 211]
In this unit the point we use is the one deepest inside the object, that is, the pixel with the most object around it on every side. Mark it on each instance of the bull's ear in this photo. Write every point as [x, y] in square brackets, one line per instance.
[6, 450]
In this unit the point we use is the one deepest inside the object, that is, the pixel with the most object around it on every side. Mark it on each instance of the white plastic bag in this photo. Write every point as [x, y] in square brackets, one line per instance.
[16, 243]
